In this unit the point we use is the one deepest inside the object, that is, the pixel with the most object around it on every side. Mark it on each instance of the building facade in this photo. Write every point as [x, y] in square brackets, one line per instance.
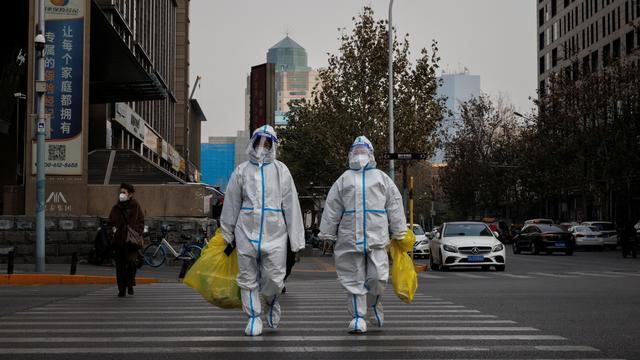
[584, 35]
[117, 100]
[457, 87]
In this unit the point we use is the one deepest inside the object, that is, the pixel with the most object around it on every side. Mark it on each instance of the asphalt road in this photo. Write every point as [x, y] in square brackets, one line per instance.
[584, 306]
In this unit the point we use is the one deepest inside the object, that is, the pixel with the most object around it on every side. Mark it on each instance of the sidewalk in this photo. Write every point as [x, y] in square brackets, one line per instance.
[24, 274]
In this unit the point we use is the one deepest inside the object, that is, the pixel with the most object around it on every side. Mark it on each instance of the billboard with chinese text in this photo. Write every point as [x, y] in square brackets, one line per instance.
[64, 76]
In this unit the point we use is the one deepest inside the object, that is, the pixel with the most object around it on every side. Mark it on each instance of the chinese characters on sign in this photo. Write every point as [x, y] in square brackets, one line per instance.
[64, 67]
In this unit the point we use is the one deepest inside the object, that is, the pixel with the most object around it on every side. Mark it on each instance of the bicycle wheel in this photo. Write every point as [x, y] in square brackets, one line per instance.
[154, 255]
[193, 252]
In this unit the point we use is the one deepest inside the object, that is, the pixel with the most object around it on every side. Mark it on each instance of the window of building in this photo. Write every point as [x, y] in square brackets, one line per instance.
[566, 3]
[554, 5]
[594, 61]
[541, 64]
[554, 57]
[629, 45]
[540, 17]
[541, 88]
[606, 54]
[541, 41]
[584, 44]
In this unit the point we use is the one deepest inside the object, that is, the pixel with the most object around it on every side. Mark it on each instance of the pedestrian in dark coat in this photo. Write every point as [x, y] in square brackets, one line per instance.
[126, 212]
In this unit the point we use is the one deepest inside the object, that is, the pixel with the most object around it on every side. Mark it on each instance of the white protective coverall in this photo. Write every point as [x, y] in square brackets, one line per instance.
[260, 212]
[363, 208]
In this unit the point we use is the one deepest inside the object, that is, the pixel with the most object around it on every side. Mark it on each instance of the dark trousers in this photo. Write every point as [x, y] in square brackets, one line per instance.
[126, 268]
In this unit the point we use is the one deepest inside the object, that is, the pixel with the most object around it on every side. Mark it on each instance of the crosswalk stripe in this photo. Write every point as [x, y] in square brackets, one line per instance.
[170, 318]
[295, 349]
[240, 321]
[424, 309]
[347, 337]
[283, 329]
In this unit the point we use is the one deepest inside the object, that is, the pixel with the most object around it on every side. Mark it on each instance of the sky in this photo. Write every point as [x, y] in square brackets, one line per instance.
[495, 39]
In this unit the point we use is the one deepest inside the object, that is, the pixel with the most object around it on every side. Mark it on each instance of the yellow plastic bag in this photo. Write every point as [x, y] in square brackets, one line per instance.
[403, 274]
[214, 275]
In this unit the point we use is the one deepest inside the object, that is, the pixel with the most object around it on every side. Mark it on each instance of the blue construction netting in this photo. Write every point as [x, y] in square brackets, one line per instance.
[217, 162]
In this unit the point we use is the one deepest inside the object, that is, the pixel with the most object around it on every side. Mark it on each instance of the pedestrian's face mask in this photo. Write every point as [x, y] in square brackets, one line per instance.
[359, 157]
[123, 196]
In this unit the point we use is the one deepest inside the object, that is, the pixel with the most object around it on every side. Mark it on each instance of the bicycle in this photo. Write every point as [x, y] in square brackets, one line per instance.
[155, 254]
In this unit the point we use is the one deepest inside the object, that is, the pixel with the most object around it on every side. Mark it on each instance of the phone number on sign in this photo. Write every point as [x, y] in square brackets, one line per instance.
[61, 165]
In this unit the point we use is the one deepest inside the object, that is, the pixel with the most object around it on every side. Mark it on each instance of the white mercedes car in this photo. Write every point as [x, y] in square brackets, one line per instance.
[466, 243]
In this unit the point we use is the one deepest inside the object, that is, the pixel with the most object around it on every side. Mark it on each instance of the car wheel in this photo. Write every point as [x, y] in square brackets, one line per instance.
[533, 248]
[569, 252]
[515, 248]
[500, 267]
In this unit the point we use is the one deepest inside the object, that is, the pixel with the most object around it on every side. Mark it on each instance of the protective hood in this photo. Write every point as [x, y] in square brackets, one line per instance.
[263, 145]
[361, 154]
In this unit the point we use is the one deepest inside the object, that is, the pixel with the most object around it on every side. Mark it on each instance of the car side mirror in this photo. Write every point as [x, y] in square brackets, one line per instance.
[495, 234]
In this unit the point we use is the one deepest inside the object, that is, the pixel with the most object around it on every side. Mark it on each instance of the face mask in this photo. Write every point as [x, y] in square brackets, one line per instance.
[123, 197]
[261, 152]
[359, 161]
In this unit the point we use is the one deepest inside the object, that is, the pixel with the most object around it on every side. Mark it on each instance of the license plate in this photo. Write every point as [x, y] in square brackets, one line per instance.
[560, 244]
[475, 258]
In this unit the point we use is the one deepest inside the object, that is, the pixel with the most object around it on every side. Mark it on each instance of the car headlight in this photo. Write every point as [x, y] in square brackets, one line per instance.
[450, 248]
[498, 247]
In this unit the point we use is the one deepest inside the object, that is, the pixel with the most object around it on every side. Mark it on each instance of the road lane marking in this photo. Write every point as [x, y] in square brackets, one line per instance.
[593, 274]
[295, 349]
[283, 329]
[470, 276]
[305, 338]
[513, 276]
[552, 275]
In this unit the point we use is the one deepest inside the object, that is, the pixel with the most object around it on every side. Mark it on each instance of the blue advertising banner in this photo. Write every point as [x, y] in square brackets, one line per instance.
[64, 70]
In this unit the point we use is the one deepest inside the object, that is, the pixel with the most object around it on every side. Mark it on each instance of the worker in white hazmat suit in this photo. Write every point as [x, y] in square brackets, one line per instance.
[260, 211]
[362, 211]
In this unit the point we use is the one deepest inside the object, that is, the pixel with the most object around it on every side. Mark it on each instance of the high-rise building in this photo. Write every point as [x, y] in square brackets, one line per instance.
[294, 78]
[582, 36]
[457, 87]
[116, 99]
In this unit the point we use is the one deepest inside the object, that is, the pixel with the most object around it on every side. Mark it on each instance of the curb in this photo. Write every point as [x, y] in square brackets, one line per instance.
[57, 279]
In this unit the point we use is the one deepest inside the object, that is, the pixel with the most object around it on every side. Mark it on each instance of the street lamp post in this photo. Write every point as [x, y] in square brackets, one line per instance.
[391, 140]
[40, 131]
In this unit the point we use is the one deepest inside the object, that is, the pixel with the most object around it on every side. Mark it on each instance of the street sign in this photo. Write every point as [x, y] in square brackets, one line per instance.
[404, 156]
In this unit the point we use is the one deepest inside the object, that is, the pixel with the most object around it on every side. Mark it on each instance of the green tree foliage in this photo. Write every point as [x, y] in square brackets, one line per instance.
[352, 100]
[479, 151]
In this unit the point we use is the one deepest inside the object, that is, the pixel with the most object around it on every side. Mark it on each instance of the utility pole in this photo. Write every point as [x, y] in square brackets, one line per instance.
[392, 173]
[40, 134]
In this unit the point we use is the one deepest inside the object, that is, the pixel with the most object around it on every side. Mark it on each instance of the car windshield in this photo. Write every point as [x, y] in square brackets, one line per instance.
[417, 230]
[604, 226]
[467, 230]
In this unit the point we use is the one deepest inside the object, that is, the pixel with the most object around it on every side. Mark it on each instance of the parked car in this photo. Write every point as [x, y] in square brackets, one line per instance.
[608, 231]
[537, 238]
[466, 243]
[567, 225]
[587, 236]
[539, 221]
[421, 247]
